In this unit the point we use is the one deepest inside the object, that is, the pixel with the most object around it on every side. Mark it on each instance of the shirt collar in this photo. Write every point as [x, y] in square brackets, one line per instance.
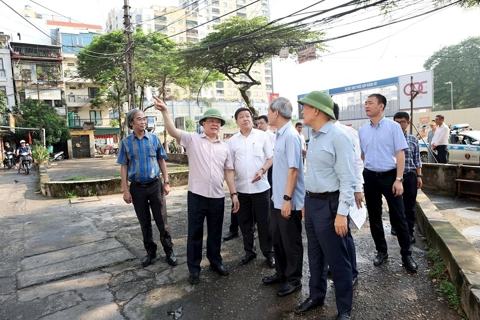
[379, 122]
[282, 129]
[203, 135]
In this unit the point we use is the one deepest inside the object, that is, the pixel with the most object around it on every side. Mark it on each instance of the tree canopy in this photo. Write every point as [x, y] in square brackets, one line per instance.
[460, 65]
[236, 45]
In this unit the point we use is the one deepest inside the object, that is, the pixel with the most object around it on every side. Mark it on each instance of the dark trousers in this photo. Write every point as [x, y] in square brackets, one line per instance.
[144, 199]
[376, 185]
[442, 154]
[352, 252]
[287, 245]
[326, 247]
[233, 222]
[409, 199]
[255, 207]
[199, 208]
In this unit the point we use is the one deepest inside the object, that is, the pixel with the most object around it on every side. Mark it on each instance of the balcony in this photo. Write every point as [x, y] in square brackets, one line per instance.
[191, 23]
[74, 122]
[79, 100]
[36, 52]
[192, 33]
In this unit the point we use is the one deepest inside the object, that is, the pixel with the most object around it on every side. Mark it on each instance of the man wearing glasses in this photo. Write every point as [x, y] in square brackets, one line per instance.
[142, 160]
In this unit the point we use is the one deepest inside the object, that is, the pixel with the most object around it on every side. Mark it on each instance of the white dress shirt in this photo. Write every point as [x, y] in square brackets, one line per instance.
[357, 157]
[272, 137]
[441, 135]
[249, 154]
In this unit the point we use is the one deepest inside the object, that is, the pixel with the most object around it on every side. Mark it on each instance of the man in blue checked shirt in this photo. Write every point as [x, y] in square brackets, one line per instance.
[412, 176]
[142, 159]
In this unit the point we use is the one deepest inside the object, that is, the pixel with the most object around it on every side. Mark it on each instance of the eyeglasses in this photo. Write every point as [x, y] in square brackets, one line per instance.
[141, 119]
[401, 122]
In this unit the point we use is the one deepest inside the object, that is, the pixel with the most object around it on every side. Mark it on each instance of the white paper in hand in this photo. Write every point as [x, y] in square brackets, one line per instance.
[358, 216]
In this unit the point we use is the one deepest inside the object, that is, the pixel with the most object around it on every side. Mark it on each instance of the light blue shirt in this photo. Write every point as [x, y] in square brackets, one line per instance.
[288, 154]
[330, 165]
[380, 144]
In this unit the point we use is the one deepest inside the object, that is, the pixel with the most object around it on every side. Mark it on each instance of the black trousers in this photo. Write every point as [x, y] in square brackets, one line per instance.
[442, 154]
[199, 208]
[287, 245]
[144, 199]
[375, 186]
[410, 190]
[326, 247]
[233, 222]
[255, 207]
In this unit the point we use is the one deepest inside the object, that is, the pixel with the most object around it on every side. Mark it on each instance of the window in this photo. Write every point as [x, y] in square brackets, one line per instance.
[2, 69]
[172, 29]
[26, 74]
[71, 64]
[96, 117]
[93, 92]
[180, 39]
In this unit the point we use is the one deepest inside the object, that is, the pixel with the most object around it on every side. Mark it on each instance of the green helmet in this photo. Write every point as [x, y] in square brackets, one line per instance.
[212, 113]
[319, 100]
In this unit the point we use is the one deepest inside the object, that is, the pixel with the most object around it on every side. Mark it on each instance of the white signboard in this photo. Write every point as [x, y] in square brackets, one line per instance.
[422, 83]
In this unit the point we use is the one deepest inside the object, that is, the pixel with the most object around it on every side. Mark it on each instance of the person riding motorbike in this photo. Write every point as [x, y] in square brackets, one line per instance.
[7, 148]
[22, 149]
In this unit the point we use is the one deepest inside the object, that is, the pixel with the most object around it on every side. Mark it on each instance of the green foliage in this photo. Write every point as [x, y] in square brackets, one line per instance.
[3, 103]
[40, 153]
[450, 292]
[35, 115]
[459, 64]
[237, 44]
[70, 194]
[191, 125]
[230, 124]
[114, 123]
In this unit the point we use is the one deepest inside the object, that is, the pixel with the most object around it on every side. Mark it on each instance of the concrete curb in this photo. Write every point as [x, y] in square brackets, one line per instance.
[461, 258]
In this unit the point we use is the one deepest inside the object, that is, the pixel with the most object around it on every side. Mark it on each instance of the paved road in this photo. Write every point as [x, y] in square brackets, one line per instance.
[80, 260]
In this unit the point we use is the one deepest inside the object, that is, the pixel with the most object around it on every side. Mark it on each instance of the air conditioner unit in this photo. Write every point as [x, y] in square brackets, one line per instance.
[80, 86]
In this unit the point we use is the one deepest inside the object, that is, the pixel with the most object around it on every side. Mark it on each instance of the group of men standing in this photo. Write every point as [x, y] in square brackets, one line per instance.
[322, 196]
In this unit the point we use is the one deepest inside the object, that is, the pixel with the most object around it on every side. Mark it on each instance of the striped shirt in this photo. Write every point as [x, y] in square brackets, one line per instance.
[412, 154]
[141, 157]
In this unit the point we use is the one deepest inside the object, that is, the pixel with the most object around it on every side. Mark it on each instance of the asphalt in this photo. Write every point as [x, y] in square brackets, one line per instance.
[80, 259]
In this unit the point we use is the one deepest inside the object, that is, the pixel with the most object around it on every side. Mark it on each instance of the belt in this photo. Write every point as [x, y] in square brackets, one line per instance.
[323, 195]
[410, 172]
[382, 174]
[145, 184]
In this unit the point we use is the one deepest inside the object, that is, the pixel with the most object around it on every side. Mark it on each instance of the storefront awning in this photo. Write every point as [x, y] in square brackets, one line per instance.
[104, 133]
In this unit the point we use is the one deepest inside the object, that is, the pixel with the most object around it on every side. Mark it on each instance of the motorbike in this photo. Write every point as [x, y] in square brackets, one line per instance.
[57, 156]
[8, 162]
[25, 161]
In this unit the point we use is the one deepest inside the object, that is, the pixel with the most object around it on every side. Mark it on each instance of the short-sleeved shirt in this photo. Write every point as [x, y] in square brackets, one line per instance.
[249, 154]
[23, 149]
[287, 154]
[207, 161]
[141, 157]
[412, 154]
[380, 144]
[330, 165]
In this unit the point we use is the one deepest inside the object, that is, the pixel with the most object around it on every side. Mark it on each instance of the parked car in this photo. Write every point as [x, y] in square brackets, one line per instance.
[466, 150]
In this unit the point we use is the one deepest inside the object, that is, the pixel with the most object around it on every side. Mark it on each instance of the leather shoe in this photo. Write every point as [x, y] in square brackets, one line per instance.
[273, 279]
[271, 262]
[220, 269]
[230, 235]
[354, 282]
[171, 259]
[409, 263]
[247, 259]
[393, 231]
[412, 239]
[148, 260]
[344, 316]
[194, 278]
[289, 288]
[381, 256]
[307, 305]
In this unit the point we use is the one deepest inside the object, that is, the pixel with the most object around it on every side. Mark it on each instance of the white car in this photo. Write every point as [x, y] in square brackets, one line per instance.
[466, 150]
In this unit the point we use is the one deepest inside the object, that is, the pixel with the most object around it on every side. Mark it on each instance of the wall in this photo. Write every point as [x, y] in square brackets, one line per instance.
[441, 177]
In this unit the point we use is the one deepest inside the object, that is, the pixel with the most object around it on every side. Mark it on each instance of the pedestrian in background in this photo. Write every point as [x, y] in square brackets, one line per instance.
[440, 140]
[210, 164]
[433, 128]
[142, 160]
[299, 128]
[383, 150]
[288, 193]
[330, 186]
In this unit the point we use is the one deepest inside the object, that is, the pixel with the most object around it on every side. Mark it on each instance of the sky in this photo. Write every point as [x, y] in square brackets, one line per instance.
[384, 53]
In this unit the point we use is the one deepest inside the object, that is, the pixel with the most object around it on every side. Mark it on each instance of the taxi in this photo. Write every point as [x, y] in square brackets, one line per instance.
[464, 150]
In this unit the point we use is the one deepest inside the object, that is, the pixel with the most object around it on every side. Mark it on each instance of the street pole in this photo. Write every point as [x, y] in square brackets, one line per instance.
[129, 49]
[451, 93]
[413, 95]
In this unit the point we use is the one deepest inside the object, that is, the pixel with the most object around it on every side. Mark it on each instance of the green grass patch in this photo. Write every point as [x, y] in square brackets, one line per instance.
[70, 194]
[77, 178]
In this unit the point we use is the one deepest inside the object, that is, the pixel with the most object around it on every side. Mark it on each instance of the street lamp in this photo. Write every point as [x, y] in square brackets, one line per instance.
[451, 92]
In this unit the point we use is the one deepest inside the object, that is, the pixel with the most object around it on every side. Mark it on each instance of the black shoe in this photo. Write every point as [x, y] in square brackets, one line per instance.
[289, 288]
[148, 260]
[271, 262]
[393, 231]
[273, 279]
[220, 269]
[247, 259]
[194, 278]
[171, 259]
[409, 263]
[412, 239]
[307, 305]
[344, 316]
[230, 236]
[354, 282]
[381, 256]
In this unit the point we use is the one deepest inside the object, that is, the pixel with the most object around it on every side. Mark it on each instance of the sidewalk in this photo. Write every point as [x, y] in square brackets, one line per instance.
[81, 260]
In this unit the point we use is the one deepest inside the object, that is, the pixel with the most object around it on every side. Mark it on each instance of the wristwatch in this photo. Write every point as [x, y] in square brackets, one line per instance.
[286, 198]
[264, 170]
[399, 179]
[419, 175]
[166, 181]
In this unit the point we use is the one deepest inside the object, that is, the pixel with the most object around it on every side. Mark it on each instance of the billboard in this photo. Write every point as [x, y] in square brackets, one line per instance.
[422, 83]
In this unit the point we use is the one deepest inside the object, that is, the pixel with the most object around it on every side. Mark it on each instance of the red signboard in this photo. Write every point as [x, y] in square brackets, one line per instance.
[273, 96]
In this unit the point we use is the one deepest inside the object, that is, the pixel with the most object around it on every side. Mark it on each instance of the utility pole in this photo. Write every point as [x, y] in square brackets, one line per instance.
[413, 94]
[129, 49]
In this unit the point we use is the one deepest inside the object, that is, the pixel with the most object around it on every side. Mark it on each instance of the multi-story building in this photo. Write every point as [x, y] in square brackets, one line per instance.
[6, 86]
